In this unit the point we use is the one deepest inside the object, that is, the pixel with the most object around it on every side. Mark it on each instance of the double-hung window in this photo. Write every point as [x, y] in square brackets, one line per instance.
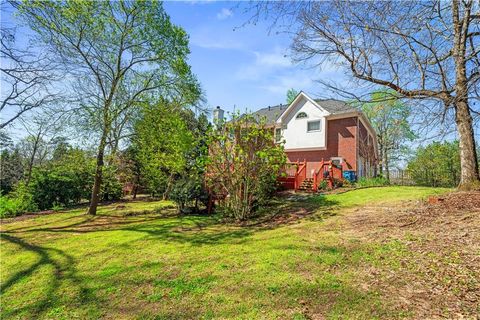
[313, 126]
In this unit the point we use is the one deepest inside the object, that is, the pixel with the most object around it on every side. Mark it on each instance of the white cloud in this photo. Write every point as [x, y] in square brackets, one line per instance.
[224, 14]
[208, 38]
[264, 64]
[195, 2]
[211, 43]
[275, 59]
[275, 73]
[298, 79]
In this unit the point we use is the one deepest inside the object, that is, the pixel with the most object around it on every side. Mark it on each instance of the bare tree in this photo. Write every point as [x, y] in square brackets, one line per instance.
[42, 131]
[26, 79]
[422, 50]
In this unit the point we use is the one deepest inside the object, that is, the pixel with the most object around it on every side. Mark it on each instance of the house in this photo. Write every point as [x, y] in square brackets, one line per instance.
[314, 131]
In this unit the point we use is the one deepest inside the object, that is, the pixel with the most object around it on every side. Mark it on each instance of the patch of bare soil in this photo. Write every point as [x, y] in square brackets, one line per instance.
[437, 274]
[26, 216]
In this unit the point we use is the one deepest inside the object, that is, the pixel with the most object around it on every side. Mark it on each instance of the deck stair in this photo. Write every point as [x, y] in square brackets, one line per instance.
[306, 185]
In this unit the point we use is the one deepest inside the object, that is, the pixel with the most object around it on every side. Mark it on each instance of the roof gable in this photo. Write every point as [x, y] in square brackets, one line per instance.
[302, 95]
[273, 114]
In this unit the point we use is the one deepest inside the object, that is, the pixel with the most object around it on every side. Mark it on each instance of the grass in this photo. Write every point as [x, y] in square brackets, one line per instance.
[140, 261]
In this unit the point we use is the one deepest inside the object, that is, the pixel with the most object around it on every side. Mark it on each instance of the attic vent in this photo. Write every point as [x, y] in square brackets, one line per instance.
[301, 115]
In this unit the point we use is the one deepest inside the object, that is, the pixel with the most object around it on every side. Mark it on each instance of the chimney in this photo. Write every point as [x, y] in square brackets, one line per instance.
[218, 116]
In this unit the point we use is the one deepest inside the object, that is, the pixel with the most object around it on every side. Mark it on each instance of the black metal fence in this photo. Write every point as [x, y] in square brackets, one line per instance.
[430, 178]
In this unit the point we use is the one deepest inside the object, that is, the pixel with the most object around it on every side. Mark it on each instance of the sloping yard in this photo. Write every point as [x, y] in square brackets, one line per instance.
[370, 253]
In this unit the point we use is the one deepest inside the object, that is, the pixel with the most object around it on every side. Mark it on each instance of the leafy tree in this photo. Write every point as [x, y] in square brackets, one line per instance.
[67, 179]
[291, 95]
[188, 189]
[389, 117]
[196, 155]
[37, 147]
[11, 168]
[64, 181]
[437, 165]
[111, 187]
[163, 141]
[190, 186]
[244, 163]
[130, 169]
[122, 51]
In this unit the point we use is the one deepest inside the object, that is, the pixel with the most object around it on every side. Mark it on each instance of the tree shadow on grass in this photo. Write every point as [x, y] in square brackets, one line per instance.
[63, 270]
[288, 210]
[88, 224]
[201, 230]
[193, 230]
[214, 231]
[44, 224]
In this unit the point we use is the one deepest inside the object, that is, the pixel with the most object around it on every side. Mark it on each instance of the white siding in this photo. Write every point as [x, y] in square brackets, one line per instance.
[295, 130]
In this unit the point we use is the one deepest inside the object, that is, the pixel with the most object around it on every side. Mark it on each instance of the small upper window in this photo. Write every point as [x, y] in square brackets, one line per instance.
[313, 126]
[301, 115]
[278, 134]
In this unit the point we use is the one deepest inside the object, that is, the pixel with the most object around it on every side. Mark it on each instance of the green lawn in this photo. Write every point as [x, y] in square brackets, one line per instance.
[140, 261]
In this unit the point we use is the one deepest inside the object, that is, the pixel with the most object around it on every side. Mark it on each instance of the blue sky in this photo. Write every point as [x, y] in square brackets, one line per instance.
[241, 66]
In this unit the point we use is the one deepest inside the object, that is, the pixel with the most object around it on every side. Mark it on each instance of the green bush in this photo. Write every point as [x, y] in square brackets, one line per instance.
[188, 190]
[243, 163]
[436, 165]
[9, 207]
[111, 188]
[372, 182]
[54, 186]
[17, 202]
[323, 185]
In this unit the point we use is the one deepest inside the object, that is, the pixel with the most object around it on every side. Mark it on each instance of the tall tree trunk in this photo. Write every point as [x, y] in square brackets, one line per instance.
[387, 168]
[92, 210]
[169, 186]
[382, 158]
[135, 190]
[469, 178]
[32, 159]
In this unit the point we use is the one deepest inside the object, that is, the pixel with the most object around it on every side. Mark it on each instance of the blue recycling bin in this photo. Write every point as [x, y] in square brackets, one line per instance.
[350, 175]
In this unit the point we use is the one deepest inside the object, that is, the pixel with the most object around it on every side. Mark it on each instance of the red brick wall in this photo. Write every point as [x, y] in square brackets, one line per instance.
[366, 150]
[341, 142]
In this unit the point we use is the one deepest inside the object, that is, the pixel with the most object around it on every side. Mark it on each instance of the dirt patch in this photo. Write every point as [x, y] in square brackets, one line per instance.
[26, 216]
[435, 273]
[457, 200]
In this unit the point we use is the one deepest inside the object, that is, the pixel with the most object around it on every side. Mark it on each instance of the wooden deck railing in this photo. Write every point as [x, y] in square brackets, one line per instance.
[327, 171]
[301, 174]
[295, 173]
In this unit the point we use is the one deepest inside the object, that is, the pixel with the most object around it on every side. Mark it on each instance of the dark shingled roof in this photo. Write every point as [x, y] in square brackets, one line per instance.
[335, 106]
[271, 114]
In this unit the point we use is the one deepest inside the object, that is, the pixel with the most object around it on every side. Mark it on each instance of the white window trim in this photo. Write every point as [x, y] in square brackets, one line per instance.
[297, 118]
[320, 125]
